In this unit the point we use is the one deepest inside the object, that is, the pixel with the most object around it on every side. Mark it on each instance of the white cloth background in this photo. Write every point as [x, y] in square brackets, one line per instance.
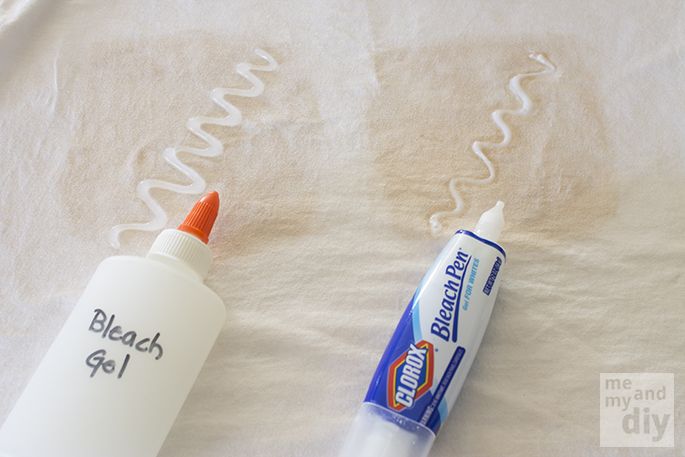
[327, 188]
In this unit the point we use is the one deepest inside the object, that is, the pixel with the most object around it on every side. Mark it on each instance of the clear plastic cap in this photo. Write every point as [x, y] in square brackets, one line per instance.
[379, 432]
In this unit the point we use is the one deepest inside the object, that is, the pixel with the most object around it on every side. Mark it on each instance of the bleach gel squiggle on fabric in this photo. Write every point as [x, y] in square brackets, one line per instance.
[477, 147]
[428, 357]
[214, 148]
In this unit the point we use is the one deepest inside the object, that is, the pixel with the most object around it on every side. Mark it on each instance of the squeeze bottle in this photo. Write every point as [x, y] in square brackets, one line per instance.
[428, 357]
[120, 369]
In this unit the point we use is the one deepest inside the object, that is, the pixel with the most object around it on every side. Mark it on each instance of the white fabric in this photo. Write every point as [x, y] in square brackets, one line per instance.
[326, 192]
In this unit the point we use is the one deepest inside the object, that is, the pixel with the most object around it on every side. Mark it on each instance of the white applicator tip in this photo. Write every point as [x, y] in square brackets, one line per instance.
[491, 223]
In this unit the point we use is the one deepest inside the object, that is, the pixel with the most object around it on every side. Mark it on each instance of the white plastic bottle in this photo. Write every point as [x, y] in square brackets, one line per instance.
[117, 375]
[427, 359]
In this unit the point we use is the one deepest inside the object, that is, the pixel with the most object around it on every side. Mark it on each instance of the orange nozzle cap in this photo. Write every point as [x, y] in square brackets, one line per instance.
[200, 220]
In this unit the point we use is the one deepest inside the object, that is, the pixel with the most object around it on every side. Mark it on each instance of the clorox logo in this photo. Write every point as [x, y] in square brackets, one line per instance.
[410, 376]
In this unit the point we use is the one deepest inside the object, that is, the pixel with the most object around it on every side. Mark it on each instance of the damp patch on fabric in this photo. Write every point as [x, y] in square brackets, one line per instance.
[214, 148]
[479, 147]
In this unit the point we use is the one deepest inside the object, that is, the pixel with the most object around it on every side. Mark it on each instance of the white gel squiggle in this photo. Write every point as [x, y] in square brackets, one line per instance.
[214, 148]
[478, 146]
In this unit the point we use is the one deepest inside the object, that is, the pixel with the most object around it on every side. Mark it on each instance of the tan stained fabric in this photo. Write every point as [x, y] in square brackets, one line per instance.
[327, 188]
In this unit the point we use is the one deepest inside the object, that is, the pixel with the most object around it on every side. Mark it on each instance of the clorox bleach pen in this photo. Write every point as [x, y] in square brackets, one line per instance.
[426, 362]
[119, 371]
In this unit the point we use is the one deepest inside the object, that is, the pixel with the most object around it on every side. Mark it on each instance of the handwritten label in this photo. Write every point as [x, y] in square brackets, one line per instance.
[103, 325]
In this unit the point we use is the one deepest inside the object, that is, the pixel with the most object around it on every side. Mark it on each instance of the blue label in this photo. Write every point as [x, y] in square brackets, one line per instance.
[493, 275]
[427, 349]
[405, 374]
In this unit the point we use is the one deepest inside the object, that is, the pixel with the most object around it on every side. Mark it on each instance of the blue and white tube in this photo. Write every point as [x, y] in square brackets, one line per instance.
[426, 362]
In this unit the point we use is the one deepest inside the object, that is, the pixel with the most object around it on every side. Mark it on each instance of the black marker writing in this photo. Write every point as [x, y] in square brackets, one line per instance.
[104, 325]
